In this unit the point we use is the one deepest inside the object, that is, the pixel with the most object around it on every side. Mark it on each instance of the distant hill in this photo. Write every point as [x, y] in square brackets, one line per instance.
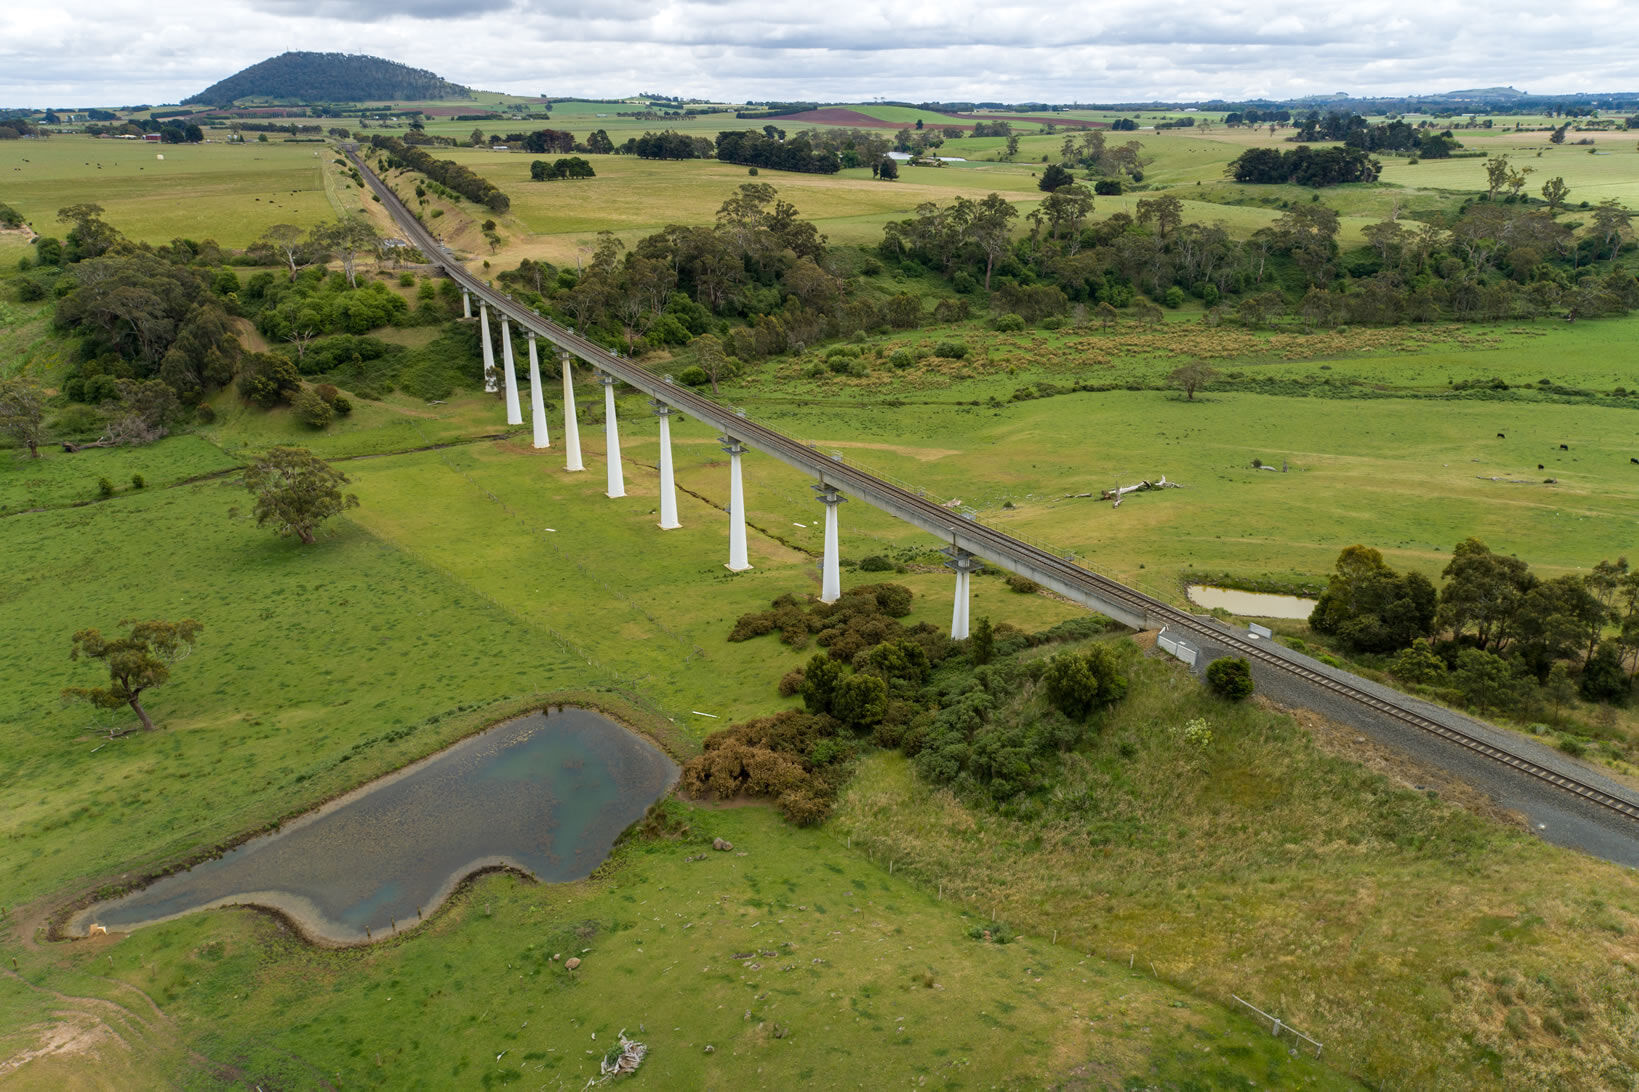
[1483, 94]
[329, 77]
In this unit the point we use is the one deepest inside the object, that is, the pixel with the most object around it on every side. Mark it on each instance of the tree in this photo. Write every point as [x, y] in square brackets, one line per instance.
[1012, 148]
[711, 357]
[1370, 607]
[992, 228]
[22, 413]
[888, 169]
[1554, 193]
[1609, 218]
[348, 238]
[1559, 688]
[288, 242]
[1165, 212]
[1482, 593]
[1191, 377]
[1230, 677]
[136, 662]
[1078, 683]
[1053, 177]
[1603, 678]
[1496, 175]
[296, 491]
[860, 701]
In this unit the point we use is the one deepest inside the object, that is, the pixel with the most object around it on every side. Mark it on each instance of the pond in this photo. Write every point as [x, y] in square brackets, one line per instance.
[1250, 604]
[546, 793]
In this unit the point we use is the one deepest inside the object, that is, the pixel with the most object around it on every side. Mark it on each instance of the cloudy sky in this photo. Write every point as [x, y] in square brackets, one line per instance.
[110, 52]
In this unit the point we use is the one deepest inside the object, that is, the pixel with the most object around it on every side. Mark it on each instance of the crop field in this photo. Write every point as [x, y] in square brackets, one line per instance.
[227, 192]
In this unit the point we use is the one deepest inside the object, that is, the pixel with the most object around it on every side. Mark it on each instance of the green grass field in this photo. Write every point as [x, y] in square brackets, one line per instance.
[477, 577]
[230, 193]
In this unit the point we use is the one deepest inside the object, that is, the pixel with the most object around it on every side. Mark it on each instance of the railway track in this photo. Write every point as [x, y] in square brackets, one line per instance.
[992, 544]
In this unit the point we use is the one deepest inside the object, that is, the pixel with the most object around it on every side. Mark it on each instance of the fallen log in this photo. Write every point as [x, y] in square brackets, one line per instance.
[73, 447]
[1121, 491]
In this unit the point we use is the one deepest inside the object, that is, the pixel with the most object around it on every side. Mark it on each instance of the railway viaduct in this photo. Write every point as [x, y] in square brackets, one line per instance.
[1587, 810]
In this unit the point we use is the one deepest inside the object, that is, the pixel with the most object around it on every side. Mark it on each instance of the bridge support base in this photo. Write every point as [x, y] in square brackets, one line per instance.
[965, 565]
[466, 304]
[537, 398]
[571, 427]
[513, 414]
[668, 487]
[737, 561]
[611, 437]
[831, 567]
[490, 385]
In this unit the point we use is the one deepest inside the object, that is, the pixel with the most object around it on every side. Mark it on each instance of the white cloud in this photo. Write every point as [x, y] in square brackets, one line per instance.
[121, 51]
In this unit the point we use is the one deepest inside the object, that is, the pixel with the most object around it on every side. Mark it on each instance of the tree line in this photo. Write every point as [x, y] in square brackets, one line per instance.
[1494, 631]
[445, 172]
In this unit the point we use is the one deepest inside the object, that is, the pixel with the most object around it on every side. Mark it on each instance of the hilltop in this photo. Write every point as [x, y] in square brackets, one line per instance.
[329, 77]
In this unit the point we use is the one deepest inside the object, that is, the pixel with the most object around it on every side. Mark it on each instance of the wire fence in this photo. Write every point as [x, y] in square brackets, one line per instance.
[1277, 1026]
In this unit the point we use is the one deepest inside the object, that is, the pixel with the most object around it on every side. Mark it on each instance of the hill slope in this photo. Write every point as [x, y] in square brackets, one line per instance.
[329, 77]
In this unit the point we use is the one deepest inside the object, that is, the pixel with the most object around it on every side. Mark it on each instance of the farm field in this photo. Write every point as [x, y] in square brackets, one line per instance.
[1279, 862]
[230, 193]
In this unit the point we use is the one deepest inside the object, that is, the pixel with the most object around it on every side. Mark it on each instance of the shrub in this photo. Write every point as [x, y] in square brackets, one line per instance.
[311, 409]
[105, 488]
[858, 369]
[138, 481]
[406, 280]
[791, 683]
[953, 350]
[876, 563]
[1010, 324]
[342, 404]
[693, 376]
[901, 358]
[1175, 297]
[963, 282]
[1023, 585]
[265, 379]
[29, 290]
[1078, 683]
[1196, 733]
[1230, 677]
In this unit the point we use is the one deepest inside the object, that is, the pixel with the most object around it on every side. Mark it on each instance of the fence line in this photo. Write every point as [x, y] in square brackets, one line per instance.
[1277, 1026]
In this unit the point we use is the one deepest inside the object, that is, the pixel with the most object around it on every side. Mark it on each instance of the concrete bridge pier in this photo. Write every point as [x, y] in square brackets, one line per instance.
[537, 398]
[571, 427]
[490, 386]
[513, 414]
[466, 303]
[831, 567]
[668, 487]
[965, 565]
[611, 436]
[737, 561]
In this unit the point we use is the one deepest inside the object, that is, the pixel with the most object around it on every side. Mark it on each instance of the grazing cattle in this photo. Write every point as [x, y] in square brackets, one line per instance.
[1635, 462]
[1564, 447]
[1541, 467]
[95, 929]
[1500, 436]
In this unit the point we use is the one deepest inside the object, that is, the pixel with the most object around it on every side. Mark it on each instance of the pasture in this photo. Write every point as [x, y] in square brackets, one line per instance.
[227, 192]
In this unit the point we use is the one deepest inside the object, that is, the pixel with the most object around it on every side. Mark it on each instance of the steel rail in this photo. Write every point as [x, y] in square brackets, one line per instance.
[998, 547]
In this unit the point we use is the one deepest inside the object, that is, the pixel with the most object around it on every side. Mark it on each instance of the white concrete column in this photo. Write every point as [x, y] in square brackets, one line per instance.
[611, 437]
[831, 567]
[490, 386]
[965, 565]
[571, 427]
[668, 487]
[537, 397]
[513, 415]
[466, 303]
[737, 561]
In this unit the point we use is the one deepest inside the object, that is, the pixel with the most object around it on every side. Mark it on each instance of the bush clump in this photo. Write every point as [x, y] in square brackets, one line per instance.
[1230, 677]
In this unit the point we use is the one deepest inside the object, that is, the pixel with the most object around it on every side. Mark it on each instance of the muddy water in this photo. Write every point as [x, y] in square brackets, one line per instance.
[1250, 604]
[546, 793]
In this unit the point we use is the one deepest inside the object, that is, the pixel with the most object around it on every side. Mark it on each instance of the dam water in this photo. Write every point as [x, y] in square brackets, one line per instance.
[546, 793]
